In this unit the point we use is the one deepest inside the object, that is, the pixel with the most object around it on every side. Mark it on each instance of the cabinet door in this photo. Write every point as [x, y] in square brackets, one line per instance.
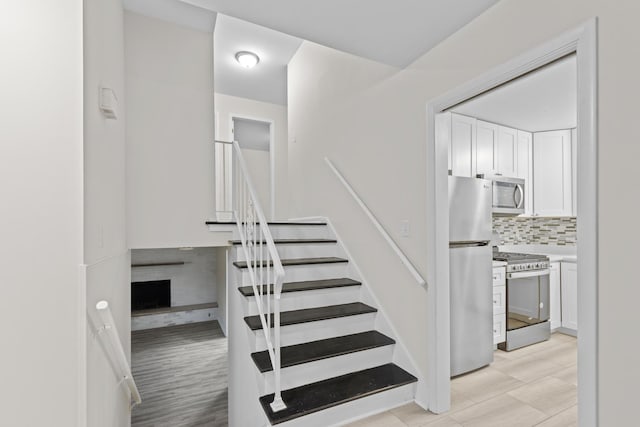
[552, 173]
[499, 328]
[486, 142]
[525, 168]
[555, 301]
[507, 152]
[569, 291]
[463, 141]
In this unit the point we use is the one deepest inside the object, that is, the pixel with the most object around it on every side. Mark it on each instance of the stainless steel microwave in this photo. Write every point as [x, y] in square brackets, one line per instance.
[508, 194]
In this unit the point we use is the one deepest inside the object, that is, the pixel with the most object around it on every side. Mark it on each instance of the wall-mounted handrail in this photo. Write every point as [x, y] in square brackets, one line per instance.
[263, 264]
[105, 324]
[412, 269]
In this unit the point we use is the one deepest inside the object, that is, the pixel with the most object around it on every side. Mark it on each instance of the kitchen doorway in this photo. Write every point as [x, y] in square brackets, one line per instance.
[582, 42]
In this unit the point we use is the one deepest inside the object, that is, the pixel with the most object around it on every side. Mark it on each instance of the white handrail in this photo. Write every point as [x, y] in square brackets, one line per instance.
[106, 324]
[412, 269]
[264, 266]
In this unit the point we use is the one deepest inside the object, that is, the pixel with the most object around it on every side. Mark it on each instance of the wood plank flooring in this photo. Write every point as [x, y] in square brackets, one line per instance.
[181, 372]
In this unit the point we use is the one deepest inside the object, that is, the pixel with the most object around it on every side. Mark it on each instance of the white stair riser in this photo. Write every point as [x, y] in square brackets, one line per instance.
[308, 299]
[298, 250]
[313, 331]
[356, 409]
[299, 273]
[300, 232]
[308, 373]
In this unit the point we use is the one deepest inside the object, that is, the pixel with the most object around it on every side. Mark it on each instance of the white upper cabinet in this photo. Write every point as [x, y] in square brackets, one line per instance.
[524, 168]
[552, 176]
[486, 143]
[463, 141]
[507, 152]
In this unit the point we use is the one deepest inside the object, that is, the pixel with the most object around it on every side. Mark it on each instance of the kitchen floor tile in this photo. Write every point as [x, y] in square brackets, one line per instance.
[563, 354]
[500, 411]
[549, 395]
[566, 418]
[484, 384]
[443, 421]
[527, 368]
[413, 415]
[568, 375]
[385, 419]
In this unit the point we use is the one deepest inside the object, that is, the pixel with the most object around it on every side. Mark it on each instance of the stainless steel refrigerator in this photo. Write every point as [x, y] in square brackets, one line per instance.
[470, 274]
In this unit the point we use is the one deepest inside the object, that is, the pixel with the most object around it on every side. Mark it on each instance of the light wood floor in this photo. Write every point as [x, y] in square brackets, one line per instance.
[181, 372]
[532, 386]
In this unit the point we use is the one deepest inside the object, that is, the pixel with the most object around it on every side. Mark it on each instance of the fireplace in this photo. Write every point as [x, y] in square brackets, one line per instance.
[149, 295]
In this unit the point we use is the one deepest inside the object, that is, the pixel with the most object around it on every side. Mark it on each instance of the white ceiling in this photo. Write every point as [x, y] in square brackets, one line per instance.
[394, 32]
[267, 81]
[543, 100]
[174, 11]
[252, 134]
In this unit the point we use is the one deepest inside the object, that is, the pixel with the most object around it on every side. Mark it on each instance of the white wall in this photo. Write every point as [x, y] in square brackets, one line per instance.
[41, 210]
[194, 282]
[370, 119]
[105, 241]
[227, 106]
[170, 178]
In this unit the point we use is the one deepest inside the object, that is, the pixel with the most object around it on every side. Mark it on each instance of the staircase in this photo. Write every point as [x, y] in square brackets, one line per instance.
[338, 360]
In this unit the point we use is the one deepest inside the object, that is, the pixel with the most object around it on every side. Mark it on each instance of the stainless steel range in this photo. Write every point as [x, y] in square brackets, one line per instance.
[527, 299]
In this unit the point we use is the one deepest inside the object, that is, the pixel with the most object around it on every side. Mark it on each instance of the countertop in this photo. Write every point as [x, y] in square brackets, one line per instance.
[499, 264]
[555, 253]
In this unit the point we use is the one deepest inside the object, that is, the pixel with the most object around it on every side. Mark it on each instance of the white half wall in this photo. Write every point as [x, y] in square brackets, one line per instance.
[370, 120]
[170, 177]
[228, 106]
[105, 234]
[42, 304]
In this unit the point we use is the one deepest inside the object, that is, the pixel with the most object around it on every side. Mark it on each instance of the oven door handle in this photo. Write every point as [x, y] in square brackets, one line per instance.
[524, 274]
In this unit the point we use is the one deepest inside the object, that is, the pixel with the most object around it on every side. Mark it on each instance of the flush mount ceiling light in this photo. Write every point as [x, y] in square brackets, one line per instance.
[247, 59]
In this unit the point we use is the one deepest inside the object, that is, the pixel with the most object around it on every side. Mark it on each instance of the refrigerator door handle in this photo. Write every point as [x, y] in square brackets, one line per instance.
[468, 244]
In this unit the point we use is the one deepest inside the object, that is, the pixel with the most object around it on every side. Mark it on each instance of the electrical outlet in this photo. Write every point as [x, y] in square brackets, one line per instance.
[404, 228]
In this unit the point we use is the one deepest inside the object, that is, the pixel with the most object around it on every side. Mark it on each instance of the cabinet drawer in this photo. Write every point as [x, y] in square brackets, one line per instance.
[499, 299]
[499, 276]
[499, 328]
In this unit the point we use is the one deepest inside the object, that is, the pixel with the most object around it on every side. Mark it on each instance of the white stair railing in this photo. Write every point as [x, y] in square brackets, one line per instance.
[105, 325]
[263, 263]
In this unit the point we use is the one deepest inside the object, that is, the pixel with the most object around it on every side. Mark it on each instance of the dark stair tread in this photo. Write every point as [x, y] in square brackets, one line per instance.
[309, 285]
[322, 349]
[298, 261]
[292, 241]
[313, 314]
[270, 223]
[310, 398]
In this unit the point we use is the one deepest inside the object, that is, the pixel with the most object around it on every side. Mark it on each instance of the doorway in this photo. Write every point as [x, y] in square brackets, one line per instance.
[255, 137]
[582, 42]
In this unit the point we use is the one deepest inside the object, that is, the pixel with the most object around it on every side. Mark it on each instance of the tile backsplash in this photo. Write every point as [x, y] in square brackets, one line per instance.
[558, 231]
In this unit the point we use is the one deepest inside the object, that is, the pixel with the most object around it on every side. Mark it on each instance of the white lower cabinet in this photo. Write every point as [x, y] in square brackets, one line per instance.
[499, 305]
[569, 292]
[555, 298]
[499, 328]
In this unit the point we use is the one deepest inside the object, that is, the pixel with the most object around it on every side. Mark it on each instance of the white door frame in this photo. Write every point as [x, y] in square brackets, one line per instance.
[583, 41]
[272, 157]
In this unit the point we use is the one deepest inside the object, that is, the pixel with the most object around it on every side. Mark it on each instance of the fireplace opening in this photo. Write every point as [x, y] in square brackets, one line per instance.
[150, 295]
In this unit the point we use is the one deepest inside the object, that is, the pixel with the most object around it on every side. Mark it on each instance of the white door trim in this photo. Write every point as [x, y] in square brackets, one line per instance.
[583, 41]
[272, 157]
